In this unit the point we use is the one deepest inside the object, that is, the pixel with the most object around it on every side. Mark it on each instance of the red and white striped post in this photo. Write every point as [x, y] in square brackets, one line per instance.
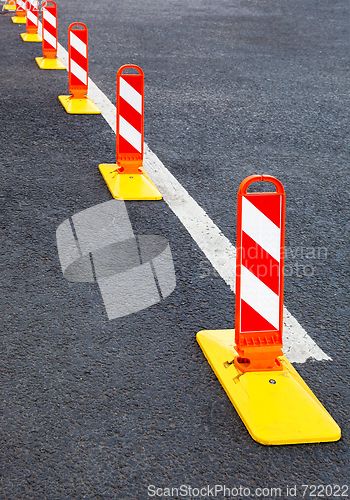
[272, 399]
[49, 28]
[126, 179]
[32, 22]
[259, 276]
[20, 17]
[78, 102]
[130, 111]
[78, 59]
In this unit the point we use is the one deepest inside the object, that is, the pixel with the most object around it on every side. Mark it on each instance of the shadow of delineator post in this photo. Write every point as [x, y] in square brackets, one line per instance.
[98, 244]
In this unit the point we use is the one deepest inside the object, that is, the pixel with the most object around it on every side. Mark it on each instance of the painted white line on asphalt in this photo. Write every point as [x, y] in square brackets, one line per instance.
[298, 345]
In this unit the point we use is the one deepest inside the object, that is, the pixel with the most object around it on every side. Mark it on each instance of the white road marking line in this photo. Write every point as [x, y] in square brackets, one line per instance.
[298, 345]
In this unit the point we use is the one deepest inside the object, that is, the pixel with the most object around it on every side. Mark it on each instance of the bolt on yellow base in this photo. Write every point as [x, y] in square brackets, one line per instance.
[19, 19]
[125, 186]
[277, 407]
[74, 106]
[31, 37]
[48, 63]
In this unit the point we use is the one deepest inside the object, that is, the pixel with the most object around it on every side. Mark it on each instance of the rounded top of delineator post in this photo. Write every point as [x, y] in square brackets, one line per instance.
[129, 66]
[74, 26]
[48, 4]
[260, 178]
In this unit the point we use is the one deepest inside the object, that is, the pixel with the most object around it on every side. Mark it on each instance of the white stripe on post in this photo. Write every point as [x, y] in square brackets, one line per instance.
[49, 38]
[260, 297]
[78, 72]
[78, 44]
[49, 18]
[130, 134]
[32, 17]
[130, 95]
[261, 229]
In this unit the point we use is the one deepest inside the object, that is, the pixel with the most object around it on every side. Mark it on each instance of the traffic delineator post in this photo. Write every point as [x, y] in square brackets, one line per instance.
[127, 179]
[275, 404]
[20, 17]
[49, 34]
[10, 5]
[78, 103]
[259, 277]
[32, 23]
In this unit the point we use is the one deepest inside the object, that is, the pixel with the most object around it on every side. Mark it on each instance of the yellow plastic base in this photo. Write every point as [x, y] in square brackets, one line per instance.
[31, 37]
[276, 407]
[83, 106]
[128, 187]
[45, 63]
[19, 19]
[9, 7]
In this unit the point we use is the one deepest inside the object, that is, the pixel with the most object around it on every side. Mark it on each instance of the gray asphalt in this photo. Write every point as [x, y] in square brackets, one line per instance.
[97, 409]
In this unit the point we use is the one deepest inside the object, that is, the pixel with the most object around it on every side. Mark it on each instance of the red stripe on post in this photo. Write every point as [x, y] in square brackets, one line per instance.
[126, 148]
[20, 11]
[252, 321]
[260, 263]
[78, 58]
[136, 82]
[78, 87]
[49, 50]
[130, 114]
[268, 204]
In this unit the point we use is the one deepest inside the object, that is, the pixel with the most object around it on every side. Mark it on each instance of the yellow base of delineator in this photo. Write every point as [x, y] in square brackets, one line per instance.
[128, 187]
[31, 37]
[19, 19]
[46, 63]
[9, 7]
[277, 407]
[84, 106]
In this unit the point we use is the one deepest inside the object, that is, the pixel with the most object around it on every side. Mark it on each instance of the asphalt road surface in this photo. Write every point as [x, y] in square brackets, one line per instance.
[102, 409]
